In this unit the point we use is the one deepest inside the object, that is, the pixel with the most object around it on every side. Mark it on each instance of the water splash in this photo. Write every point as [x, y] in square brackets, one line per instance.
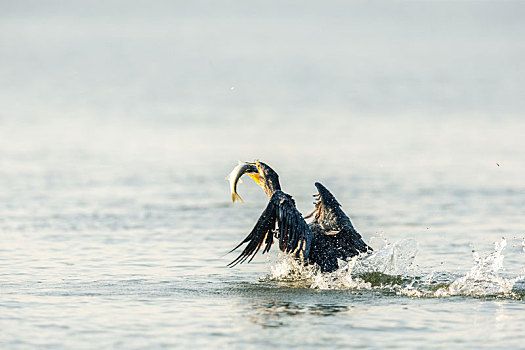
[360, 272]
[390, 270]
[482, 280]
[393, 259]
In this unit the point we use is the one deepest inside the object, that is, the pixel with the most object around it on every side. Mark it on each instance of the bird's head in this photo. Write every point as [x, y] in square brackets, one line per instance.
[265, 177]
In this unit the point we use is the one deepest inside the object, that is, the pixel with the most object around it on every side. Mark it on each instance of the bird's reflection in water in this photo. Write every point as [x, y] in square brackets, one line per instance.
[273, 313]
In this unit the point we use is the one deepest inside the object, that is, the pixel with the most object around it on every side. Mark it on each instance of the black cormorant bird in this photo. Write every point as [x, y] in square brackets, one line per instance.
[330, 235]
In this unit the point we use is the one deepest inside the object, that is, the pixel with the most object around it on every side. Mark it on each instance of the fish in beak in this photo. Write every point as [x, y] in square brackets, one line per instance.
[255, 175]
[235, 177]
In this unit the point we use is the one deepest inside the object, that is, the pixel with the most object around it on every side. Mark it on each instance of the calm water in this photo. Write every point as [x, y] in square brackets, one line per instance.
[119, 122]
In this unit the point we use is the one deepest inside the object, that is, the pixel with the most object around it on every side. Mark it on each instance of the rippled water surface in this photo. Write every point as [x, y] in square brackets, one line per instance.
[120, 122]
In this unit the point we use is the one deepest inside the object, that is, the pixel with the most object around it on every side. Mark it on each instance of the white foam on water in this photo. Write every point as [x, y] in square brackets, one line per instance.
[391, 269]
[482, 280]
[394, 259]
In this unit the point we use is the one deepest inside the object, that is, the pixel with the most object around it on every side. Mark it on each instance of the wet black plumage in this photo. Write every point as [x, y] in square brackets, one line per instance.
[282, 220]
[334, 236]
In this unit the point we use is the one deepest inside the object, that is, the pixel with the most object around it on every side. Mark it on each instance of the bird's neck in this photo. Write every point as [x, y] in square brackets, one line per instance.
[271, 186]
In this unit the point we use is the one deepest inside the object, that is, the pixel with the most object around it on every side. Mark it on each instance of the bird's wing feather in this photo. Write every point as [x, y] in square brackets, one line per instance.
[280, 214]
[337, 225]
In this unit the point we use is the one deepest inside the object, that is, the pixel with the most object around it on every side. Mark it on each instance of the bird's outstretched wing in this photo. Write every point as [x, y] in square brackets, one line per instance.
[280, 218]
[337, 225]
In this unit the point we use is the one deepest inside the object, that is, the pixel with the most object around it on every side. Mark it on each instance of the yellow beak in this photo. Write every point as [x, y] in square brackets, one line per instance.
[255, 178]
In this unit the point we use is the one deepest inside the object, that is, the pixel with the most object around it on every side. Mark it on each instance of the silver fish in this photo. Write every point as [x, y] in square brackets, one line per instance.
[235, 177]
